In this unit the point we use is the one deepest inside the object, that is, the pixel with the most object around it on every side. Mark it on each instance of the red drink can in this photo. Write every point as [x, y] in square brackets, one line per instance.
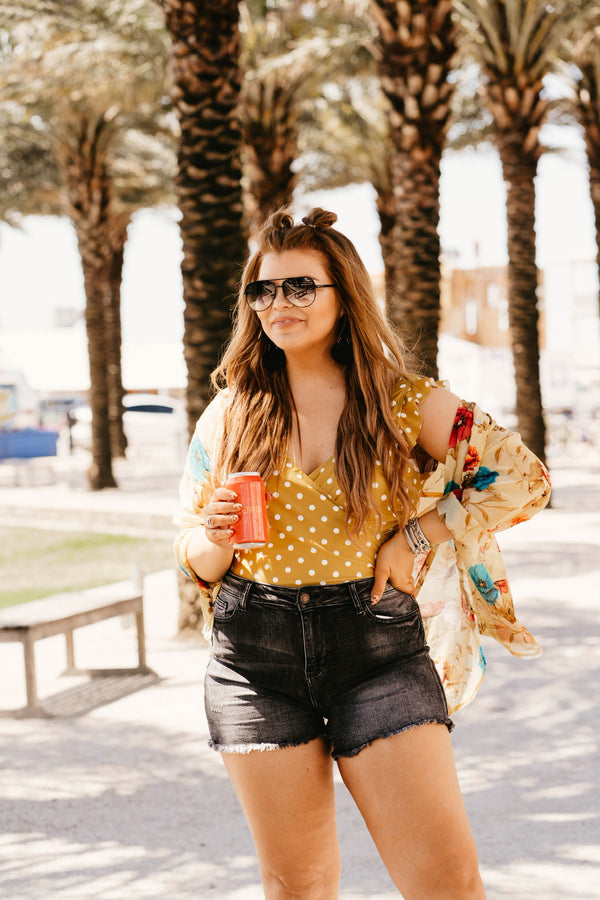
[251, 529]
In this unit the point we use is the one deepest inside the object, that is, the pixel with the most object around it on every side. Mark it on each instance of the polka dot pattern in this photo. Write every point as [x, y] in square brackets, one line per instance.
[308, 540]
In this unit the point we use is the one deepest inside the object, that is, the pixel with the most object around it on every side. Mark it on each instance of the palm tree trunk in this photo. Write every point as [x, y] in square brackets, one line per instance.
[417, 42]
[206, 90]
[116, 391]
[413, 299]
[588, 108]
[519, 169]
[385, 210]
[207, 82]
[87, 186]
[594, 164]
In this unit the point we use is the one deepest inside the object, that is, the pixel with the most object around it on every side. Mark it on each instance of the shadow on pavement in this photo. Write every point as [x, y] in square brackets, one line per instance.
[528, 756]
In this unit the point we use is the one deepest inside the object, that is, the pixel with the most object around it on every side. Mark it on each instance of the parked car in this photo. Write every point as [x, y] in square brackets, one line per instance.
[149, 421]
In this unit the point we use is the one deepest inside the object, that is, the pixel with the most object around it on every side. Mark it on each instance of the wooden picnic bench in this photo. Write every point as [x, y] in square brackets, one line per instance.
[62, 614]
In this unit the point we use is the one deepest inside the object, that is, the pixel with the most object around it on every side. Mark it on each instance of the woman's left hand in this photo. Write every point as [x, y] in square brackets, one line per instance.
[394, 563]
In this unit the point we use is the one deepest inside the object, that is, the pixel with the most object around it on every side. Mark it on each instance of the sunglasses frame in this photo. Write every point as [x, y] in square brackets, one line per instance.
[285, 287]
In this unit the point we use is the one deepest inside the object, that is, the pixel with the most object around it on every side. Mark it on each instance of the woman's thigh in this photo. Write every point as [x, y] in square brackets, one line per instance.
[288, 799]
[407, 790]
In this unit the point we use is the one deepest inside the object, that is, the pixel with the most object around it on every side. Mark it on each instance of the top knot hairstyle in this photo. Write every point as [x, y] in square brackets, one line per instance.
[259, 416]
[320, 218]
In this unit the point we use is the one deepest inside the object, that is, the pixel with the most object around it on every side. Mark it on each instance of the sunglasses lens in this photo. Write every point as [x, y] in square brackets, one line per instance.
[300, 291]
[259, 293]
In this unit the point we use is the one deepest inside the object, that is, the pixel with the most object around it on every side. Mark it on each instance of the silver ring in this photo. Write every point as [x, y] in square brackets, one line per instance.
[208, 522]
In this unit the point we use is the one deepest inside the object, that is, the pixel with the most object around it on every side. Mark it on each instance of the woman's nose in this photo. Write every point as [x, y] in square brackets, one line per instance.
[280, 298]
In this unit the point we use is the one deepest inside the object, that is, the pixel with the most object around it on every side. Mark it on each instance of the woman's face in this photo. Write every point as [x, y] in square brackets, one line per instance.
[300, 329]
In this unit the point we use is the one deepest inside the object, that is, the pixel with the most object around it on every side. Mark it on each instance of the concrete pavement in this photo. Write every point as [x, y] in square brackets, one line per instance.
[126, 801]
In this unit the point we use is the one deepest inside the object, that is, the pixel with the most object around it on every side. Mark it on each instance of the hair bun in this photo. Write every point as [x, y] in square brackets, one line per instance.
[320, 218]
[280, 220]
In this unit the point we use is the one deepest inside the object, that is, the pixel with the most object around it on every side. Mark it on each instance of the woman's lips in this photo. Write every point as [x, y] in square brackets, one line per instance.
[284, 321]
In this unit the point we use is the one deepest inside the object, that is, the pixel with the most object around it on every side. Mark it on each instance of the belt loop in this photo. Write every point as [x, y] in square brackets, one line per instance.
[355, 597]
[245, 592]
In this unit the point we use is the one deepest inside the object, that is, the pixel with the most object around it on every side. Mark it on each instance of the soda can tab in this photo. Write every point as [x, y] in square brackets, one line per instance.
[251, 529]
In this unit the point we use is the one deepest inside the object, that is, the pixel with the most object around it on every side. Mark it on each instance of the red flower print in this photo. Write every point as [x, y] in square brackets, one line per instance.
[471, 459]
[463, 425]
[502, 585]
[467, 611]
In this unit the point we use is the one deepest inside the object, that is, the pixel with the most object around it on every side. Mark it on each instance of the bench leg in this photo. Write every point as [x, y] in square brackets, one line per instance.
[70, 648]
[141, 638]
[30, 676]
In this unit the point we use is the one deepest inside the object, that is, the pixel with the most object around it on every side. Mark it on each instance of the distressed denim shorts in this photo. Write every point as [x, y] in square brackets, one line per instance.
[289, 665]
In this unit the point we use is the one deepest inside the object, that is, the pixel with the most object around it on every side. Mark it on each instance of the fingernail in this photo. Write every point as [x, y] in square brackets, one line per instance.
[374, 598]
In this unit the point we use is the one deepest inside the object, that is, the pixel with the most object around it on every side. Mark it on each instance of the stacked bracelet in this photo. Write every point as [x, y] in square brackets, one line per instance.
[417, 541]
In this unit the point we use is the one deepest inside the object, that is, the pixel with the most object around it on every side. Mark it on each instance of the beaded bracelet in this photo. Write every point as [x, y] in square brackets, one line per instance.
[417, 541]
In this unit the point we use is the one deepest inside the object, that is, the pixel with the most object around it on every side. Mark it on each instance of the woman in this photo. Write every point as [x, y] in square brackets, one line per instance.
[318, 648]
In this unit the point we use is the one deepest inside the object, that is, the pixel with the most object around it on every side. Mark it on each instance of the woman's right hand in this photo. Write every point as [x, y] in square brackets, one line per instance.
[219, 515]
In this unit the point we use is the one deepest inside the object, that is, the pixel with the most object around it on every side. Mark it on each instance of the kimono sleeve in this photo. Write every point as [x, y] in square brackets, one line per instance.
[196, 487]
[493, 481]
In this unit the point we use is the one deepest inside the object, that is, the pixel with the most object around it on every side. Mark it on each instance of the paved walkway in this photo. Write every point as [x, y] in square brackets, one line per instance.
[126, 801]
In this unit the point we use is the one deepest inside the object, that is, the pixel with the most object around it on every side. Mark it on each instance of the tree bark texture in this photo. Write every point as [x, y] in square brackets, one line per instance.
[413, 298]
[116, 391]
[82, 159]
[519, 171]
[206, 89]
[417, 46]
[519, 108]
[386, 213]
[588, 96]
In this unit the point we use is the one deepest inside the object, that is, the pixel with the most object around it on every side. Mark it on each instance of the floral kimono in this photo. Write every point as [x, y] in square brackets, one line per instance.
[489, 482]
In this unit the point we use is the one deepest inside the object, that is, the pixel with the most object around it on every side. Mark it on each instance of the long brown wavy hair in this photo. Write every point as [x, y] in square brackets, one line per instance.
[259, 414]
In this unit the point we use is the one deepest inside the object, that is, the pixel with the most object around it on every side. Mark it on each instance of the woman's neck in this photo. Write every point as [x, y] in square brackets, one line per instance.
[313, 368]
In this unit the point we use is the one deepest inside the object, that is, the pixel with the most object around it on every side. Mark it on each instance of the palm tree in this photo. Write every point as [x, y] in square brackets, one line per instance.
[516, 43]
[290, 54]
[416, 40]
[205, 59]
[206, 89]
[586, 56]
[142, 176]
[119, 54]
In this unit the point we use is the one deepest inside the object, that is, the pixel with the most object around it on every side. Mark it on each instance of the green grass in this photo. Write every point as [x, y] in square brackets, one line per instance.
[35, 562]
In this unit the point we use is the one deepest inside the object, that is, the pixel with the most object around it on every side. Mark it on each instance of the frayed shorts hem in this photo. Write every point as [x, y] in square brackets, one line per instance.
[346, 754]
[251, 748]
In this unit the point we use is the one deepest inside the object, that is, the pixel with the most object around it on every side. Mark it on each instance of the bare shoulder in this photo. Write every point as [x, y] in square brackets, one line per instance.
[438, 411]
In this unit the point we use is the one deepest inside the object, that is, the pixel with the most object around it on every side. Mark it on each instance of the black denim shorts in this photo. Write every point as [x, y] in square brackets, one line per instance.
[289, 665]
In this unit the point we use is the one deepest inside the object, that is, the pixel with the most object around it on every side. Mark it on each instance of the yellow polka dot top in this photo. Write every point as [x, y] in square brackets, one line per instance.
[307, 542]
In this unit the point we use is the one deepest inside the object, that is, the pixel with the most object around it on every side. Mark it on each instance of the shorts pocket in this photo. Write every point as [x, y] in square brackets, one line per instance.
[227, 604]
[394, 606]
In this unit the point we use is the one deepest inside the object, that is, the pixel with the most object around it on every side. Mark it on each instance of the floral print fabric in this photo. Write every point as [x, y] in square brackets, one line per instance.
[489, 482]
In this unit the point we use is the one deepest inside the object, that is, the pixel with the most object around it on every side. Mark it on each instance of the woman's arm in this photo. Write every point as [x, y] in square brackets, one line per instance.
[395, 558]
[438, 412]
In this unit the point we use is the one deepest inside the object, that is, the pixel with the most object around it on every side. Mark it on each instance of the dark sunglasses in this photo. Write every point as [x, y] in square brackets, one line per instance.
[300, 291]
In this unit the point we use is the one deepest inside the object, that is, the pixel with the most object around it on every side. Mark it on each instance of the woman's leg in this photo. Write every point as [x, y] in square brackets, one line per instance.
[407, 790]
[288, 799]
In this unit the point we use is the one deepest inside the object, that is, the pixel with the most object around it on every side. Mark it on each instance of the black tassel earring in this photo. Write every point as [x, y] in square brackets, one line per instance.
[342, 351]
[274, 358]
